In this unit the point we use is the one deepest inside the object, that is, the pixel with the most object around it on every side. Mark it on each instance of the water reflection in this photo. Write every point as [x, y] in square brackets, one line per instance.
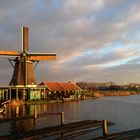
[19, 126]
[120, 110]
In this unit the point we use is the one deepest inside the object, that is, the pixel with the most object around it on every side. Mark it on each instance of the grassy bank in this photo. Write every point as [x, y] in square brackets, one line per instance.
[88, 95]
[101, 93]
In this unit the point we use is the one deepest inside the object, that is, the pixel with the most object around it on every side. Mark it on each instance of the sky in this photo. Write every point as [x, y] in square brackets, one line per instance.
[95, 40]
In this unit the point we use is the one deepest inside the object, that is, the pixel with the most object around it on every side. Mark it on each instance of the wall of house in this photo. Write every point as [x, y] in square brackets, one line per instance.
[34, 95]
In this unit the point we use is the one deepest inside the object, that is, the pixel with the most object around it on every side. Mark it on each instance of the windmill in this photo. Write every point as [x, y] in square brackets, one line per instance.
[23, 63]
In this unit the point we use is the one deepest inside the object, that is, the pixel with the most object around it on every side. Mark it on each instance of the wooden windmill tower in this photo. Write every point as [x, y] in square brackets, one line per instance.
[24, 68]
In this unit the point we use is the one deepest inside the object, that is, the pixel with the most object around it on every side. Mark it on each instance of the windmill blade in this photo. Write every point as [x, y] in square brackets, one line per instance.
[9, 53]
[42, 56]
[25, 32]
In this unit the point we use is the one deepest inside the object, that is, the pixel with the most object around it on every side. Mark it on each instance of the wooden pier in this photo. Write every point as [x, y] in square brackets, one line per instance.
[75, 130]
[55, 130]
[66, 131]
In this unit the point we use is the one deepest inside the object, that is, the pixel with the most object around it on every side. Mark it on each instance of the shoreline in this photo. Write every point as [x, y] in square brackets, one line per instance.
[105, 93]
[56, 101]
[91, 95]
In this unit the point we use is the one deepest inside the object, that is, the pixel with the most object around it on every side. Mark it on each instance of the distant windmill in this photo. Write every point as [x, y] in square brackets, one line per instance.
[24, 69]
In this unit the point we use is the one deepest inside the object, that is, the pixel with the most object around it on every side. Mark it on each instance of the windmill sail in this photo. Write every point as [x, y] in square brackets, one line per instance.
[25, 41]
[9, 53]
[24, 69]
[42, 56]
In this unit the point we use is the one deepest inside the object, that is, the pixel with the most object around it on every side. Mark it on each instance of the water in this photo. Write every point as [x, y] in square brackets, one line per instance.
[124, 111]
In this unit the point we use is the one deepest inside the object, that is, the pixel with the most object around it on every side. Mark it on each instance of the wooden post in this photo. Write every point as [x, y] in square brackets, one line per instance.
[10, 94]
[17, 111]
[62, 118]
[45, 94]
[105, 130]
[16, 93]
[35, 113]
[6, 94]
[3, 94]
[23, 97]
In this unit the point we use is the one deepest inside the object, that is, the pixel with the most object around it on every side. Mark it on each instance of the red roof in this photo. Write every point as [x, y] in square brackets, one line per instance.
[60, 86]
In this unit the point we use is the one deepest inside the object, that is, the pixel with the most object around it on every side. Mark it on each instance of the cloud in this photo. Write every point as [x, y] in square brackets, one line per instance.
[99, 38]
[74, 7]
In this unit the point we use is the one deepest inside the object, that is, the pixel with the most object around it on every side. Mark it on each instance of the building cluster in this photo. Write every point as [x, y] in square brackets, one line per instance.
[62, 90]
[45, 91]
[23, 84]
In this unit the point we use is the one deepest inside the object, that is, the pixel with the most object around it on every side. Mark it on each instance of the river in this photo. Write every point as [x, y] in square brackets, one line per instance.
[124, 111]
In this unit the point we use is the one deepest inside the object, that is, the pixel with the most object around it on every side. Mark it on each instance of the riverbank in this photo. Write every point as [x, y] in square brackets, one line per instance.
[85, 96]
[55, 101]
[14, 102]
[88, 95]
[102, 93]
